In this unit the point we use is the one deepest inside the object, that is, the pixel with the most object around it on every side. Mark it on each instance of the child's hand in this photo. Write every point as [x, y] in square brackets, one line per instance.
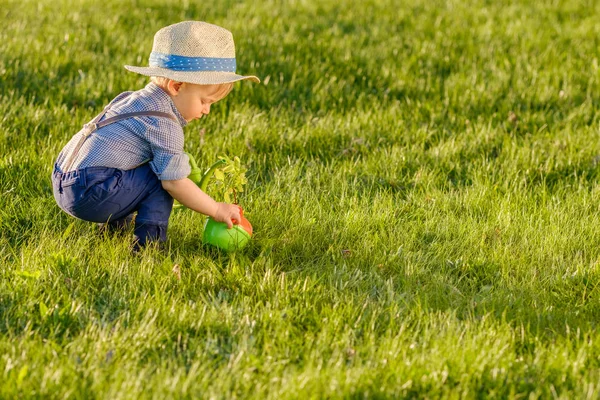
[227, 213]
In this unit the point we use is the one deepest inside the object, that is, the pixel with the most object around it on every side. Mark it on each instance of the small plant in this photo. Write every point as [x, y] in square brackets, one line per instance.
[228, 179]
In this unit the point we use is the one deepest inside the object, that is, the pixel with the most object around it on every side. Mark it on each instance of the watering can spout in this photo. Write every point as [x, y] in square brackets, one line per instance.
[209, 172]
[196, 174]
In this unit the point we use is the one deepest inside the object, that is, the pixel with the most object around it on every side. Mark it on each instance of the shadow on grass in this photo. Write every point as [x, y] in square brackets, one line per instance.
[474, 289]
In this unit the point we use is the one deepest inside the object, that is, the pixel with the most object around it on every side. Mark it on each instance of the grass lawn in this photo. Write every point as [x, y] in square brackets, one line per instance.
[423, 186]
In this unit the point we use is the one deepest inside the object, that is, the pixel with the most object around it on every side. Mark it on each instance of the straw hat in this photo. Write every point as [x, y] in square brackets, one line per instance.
[194, 52]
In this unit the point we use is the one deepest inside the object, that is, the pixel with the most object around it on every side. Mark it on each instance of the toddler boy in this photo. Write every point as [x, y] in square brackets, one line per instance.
[130, 157]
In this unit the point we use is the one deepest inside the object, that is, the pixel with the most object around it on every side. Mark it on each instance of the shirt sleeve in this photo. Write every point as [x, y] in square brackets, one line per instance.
[169, 162]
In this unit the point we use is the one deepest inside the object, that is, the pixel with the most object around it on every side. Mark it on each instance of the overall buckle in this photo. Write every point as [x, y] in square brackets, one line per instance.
[89, 128]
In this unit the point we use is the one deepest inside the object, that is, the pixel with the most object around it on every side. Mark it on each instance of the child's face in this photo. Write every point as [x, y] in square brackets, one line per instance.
[194, 101]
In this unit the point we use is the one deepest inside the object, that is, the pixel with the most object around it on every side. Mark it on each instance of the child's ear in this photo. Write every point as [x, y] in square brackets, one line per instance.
[173, 87]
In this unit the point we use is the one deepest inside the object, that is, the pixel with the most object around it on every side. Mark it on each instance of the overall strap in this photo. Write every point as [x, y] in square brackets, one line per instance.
[94, 125]
[120, 117]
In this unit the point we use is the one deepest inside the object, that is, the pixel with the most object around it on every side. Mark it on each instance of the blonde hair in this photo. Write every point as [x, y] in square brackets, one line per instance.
[160, 81]
[224, 90]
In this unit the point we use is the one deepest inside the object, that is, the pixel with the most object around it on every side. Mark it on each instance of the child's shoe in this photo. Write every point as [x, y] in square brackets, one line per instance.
[117, 226]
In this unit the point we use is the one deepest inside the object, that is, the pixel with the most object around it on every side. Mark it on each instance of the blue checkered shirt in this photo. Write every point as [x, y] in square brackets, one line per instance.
[132, 142]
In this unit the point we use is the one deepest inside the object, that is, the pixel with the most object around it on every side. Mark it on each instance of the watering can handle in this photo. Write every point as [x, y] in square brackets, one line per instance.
[235, 221]
[193, 163]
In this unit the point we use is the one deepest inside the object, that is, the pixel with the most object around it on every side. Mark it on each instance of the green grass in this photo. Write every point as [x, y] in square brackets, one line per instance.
[423, 184]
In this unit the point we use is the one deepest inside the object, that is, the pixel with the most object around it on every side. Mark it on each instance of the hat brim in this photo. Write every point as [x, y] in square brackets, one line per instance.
[196, 77]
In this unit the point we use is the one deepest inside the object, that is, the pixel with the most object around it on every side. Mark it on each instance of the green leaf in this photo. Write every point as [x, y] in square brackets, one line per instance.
[27, 274]
[43, 309]
[22, 374]
[219, 175]
[67, 231]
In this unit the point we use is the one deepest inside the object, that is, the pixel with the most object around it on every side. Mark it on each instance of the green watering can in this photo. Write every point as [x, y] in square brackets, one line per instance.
[217, 233]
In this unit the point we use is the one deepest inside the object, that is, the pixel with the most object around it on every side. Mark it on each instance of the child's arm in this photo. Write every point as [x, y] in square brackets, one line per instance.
[189, 194]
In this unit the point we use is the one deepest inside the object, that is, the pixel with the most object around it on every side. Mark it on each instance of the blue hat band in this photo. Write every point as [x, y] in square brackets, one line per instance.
[181, 63]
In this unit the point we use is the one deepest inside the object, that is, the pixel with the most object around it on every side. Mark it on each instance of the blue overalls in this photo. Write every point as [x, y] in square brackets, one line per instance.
[110, 195]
